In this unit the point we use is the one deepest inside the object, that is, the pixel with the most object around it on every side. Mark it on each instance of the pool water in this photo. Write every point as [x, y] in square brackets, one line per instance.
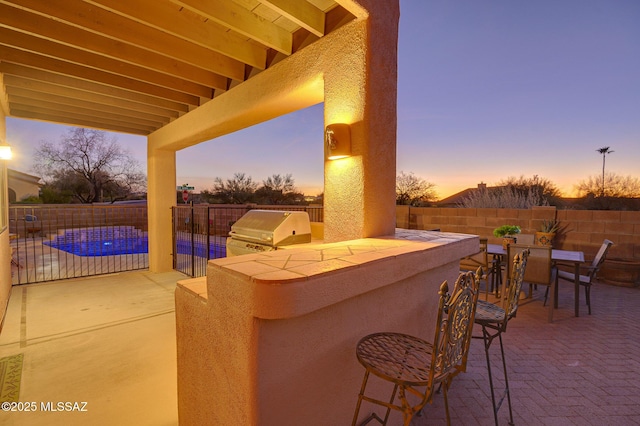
[111, 247]
[133, 245]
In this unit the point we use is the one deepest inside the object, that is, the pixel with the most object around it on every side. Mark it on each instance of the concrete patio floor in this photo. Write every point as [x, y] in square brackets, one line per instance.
[110, 341]
[107, 340]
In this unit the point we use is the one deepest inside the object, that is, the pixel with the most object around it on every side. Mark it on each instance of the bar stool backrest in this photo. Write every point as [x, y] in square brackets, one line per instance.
[514, 284]
[453, 336]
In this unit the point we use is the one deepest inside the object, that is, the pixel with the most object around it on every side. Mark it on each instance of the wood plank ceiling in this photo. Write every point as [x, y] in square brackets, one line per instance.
[133, 66]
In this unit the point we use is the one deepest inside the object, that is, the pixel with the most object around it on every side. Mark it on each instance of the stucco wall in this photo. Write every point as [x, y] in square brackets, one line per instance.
[22, 186]
[5, 274]
[5, 250]
[260, 344]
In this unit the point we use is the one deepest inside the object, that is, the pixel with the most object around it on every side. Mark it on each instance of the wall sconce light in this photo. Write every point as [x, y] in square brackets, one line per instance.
[337, 141]
[5, 152]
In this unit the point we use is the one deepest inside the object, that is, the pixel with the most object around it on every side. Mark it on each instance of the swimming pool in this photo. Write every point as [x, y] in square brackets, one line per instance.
[91, 242]
[111, 247]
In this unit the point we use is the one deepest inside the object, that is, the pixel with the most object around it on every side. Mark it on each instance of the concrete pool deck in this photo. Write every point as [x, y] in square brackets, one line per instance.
[108, 341]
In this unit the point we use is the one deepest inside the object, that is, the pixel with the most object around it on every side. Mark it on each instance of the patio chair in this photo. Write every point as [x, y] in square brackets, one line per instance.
[31, 225]
[494, 320]
[592, 270]
[540, 270]
[522, 240]
[411, 363]
[526, 239]
[479, 260]
[500, 264]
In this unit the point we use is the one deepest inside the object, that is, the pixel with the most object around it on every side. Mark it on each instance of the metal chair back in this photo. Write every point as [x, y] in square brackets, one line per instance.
[599, 259]
[527, 239]
[539, 266]
[480, 259]
[453, 336]
[541, 270]
[516, 274]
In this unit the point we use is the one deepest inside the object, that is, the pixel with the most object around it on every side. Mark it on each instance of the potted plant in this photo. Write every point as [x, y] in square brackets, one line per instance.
[507, 233]
[547, 232]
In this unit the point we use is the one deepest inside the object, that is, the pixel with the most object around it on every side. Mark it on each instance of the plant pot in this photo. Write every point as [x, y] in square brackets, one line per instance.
[620, 272]
[544, 239]
[508, 240]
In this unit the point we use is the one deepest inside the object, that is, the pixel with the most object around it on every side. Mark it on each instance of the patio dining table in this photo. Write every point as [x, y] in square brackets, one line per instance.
[559, 257]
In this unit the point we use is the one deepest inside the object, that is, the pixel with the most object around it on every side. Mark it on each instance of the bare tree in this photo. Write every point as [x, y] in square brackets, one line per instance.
[413, 190]
[503, 197]
[88, 166]
[604, 151]
[614, 186]
[237, 190]
[537, 190]
[279, 189]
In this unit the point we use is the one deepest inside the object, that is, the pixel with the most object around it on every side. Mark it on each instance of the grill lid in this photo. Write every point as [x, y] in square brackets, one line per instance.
[273, 227]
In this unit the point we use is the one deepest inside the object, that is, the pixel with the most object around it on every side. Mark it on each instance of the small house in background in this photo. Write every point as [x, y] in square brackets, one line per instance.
[455, 200]
[22, 185]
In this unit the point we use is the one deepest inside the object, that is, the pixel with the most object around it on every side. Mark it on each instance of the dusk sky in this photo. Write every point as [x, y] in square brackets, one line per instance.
[486, 90]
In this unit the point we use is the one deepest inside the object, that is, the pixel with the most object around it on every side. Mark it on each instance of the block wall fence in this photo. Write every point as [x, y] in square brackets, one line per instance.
[582, 230]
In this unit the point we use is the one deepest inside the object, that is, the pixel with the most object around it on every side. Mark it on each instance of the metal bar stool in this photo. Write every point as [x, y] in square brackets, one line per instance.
[411, 363]
[494, 319]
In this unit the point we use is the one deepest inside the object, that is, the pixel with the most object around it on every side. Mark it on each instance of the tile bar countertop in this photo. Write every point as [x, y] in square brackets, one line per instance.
[295, 281]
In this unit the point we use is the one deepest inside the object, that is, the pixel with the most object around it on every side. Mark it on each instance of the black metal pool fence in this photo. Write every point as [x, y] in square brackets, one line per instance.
[55, 242]
[202, 225]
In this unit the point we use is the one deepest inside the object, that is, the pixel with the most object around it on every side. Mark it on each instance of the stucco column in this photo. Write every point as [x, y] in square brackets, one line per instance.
[5, 250]
[361, 90]
[161, 196]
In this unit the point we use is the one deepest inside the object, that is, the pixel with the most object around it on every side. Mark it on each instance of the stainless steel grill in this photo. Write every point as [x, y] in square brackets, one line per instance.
[267, 230]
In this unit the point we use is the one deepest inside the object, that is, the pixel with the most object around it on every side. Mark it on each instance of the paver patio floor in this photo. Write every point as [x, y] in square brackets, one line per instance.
[574, 371]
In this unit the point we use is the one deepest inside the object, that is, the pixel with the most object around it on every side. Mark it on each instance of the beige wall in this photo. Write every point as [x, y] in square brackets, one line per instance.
[5, 250]
[361, 89]
[22, 186]
[161, 196]
[250, 371]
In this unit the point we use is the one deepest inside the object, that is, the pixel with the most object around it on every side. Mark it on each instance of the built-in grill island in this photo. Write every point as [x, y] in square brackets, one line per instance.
[267, 230]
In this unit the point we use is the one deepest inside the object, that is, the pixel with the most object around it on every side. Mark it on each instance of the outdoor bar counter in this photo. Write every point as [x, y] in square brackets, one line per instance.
[269, 339]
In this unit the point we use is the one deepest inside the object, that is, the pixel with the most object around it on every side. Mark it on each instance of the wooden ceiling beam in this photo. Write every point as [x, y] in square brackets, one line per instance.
[12, 82]
[162, 16]
[117, 27]
[88, 110]
[28, 43]
[85, 100]
[36, 33]
[53, 117]
[135, 66]
[62, 67]
[302, 13]
[150, 103]
[242, 21]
